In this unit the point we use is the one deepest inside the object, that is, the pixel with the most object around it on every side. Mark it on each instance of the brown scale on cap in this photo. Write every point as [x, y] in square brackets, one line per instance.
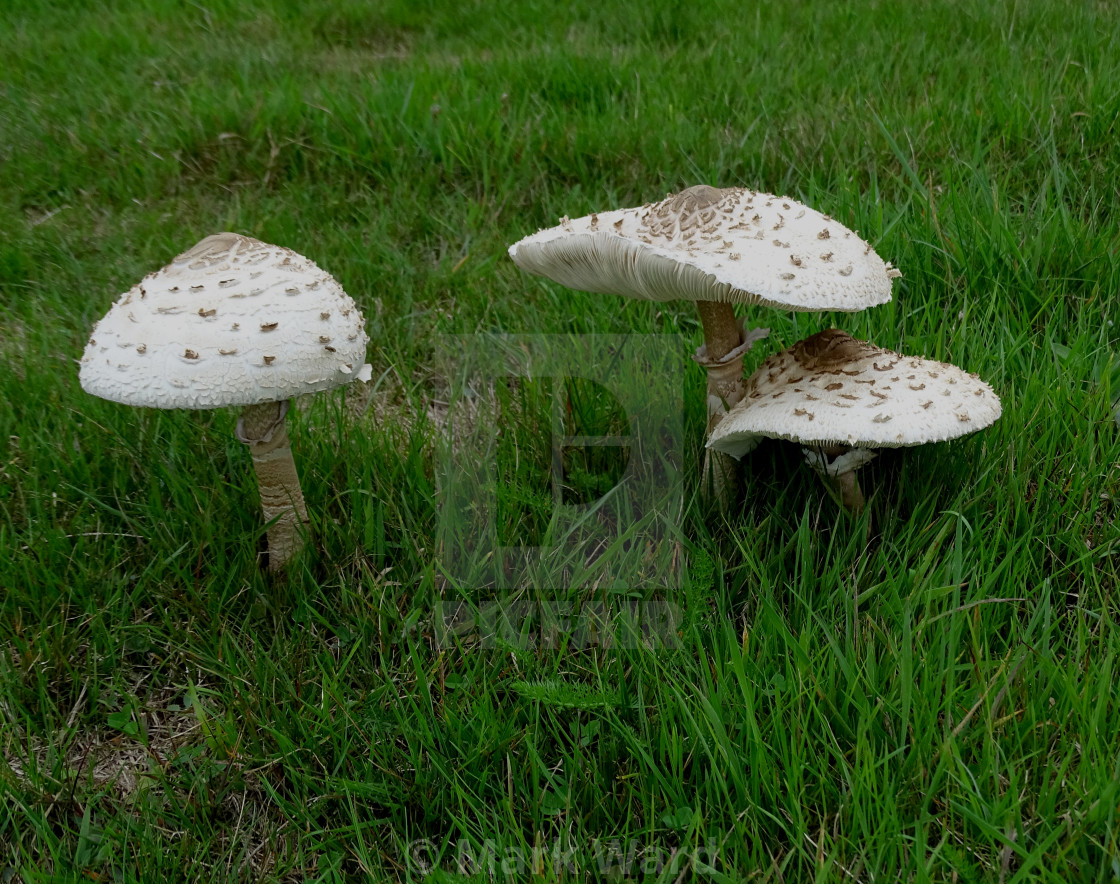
[212, 250]
[688, 212]
[829, 350]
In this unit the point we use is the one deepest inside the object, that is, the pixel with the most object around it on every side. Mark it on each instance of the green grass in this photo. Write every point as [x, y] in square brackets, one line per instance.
[925, 693]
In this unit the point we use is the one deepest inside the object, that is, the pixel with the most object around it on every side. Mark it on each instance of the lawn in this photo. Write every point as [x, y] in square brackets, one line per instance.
[925, 692]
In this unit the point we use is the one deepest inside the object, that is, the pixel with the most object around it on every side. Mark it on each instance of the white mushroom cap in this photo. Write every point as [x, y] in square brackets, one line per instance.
[233, 321]
[706, 244]
[831, 389]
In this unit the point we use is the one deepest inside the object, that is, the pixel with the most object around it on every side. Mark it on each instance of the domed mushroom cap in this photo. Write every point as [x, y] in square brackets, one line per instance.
[706, 244]
[831, 389]
[232, 321]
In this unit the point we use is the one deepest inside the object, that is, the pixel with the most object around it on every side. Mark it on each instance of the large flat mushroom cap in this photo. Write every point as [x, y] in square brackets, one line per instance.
[232, 321]
[706, 244]
[831, 389]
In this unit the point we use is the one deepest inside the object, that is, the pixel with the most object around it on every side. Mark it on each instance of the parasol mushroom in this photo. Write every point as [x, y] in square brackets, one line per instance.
[841, 398]
[234, 321]
[717, 247]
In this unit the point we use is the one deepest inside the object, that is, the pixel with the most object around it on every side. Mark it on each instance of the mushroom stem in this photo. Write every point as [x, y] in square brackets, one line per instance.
[837, 465]
[845, 490]
[263, 428]
[721, 330]
[723, 358]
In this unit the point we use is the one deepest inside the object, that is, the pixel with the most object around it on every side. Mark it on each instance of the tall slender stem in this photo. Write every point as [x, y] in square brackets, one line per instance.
[722, 335]
[264, 429]
[721, 330]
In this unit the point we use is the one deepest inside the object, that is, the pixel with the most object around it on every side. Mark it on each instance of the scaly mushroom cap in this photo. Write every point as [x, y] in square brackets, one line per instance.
[706, 244]
[233, 321]
[831, 389]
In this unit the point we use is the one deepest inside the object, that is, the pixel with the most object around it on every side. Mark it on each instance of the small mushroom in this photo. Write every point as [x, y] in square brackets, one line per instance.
[854, 406]
[674, 249]
[259, 381]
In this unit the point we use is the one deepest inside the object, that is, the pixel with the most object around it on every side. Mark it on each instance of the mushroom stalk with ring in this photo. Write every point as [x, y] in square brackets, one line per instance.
[837, 465]
[722, 357]
[264, 429]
